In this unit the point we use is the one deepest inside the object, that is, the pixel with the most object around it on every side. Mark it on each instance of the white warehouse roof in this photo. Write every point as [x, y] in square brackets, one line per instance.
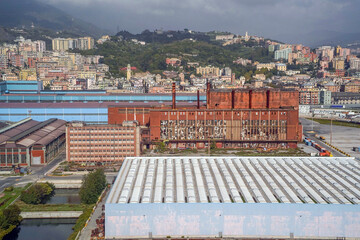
[237, 180]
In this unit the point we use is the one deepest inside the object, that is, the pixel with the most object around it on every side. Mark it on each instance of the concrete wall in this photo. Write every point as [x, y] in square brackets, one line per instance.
[207, 220]
[54, 214]
[64, 183]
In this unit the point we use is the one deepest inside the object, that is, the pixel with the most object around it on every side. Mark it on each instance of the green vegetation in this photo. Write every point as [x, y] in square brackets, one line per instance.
[9, 195]
[166, 37]
[276, 152]
[335, 122]
[38, 193]
[81, 221]
[50, 207]
[151, 57]
[161, 147]
[233, 152]
[9, 219]
[213, 145]
[93, 184]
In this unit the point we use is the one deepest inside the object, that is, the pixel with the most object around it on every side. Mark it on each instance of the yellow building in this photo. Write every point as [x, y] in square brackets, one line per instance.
[281, 67]
[338, 50]
[268, 66]
[28, 74]
[128, 72]
[87, 74]
[85, 43]
[208, 71]
[339, 64]
[61, 44]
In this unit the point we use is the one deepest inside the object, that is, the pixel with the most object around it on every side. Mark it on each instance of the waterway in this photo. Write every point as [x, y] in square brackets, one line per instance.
[39, 229]
[65, 196]
[48, 229]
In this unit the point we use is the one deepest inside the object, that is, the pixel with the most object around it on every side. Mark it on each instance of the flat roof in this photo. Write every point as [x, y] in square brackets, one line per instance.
[90, 104]
[310, 180]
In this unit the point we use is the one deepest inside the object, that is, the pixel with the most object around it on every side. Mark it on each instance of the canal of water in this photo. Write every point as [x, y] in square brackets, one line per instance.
[65, 196]
[48, 229]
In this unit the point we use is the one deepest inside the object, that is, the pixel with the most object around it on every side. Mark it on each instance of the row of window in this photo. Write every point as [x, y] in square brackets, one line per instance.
[101, 130]
[224, 112]
[100, 135]
[100, 156]
[103, 140]
[124, 149]
[101, 145]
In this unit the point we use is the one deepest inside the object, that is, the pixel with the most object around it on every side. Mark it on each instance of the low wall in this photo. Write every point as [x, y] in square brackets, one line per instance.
[54, 214]
[64, 183]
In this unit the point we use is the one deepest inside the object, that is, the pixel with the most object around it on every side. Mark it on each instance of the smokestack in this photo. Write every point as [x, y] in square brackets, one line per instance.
[198, 99]
[232, 99]
[208, 86]
[268, 99]
[173, 96]
[250, 98]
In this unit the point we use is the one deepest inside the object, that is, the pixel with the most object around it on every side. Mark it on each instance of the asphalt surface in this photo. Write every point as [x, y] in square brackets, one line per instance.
[342, 137]
[36, 173]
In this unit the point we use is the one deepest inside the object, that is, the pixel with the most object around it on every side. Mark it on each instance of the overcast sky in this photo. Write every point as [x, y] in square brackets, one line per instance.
[286, 20]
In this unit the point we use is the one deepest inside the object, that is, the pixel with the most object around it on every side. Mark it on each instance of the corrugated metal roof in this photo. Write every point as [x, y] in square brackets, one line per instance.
[31, 130]
[17, 130]
[46, 134]
[237, 179]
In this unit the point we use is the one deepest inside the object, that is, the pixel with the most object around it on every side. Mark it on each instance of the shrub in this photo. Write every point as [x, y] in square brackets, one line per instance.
[92, 186]
[10, 216]
[38, 193]
[9, 189]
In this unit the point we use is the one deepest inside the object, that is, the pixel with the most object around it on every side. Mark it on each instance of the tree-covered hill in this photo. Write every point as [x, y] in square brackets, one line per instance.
[151, 57]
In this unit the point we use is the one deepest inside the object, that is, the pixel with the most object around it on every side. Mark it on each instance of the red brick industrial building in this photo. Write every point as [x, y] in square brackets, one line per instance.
[101, 143]
[29, 142]
[231, 118]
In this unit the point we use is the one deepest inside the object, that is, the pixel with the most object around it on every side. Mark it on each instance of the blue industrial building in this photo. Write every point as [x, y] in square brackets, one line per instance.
[22, 99]
[20, 87]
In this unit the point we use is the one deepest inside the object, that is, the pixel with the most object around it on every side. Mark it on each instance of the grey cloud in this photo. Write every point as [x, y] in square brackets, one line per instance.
[288, 20]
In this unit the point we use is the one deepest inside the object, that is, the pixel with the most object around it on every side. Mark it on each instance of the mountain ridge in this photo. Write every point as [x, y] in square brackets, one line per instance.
[25, 13]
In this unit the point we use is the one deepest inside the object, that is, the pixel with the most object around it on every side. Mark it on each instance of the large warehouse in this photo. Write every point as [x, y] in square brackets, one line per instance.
[238, 197]
[241, 118]
[30, 142]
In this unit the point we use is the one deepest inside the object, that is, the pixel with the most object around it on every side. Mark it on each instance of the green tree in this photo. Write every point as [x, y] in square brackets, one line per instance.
[12, 215]
[38, 193]
[92, 186]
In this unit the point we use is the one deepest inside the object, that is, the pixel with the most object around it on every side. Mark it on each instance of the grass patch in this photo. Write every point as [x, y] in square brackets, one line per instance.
[335, 122]
[50, 207]
[80, 223]
[4, 232]
[279, 152]
[8, 197]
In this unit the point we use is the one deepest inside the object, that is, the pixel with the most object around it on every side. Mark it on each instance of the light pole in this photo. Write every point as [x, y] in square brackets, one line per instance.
[331, 130]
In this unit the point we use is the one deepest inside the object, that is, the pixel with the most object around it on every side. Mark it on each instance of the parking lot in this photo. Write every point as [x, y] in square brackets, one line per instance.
[344, 138]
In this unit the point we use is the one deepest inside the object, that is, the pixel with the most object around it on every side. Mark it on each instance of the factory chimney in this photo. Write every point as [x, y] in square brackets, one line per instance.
[232, 99]
[173, 96]
[208, 87]
[198, 99]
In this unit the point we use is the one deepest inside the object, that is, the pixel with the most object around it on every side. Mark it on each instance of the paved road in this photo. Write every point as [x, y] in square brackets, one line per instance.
[320, 129]
[86, 233]
[37, 173]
